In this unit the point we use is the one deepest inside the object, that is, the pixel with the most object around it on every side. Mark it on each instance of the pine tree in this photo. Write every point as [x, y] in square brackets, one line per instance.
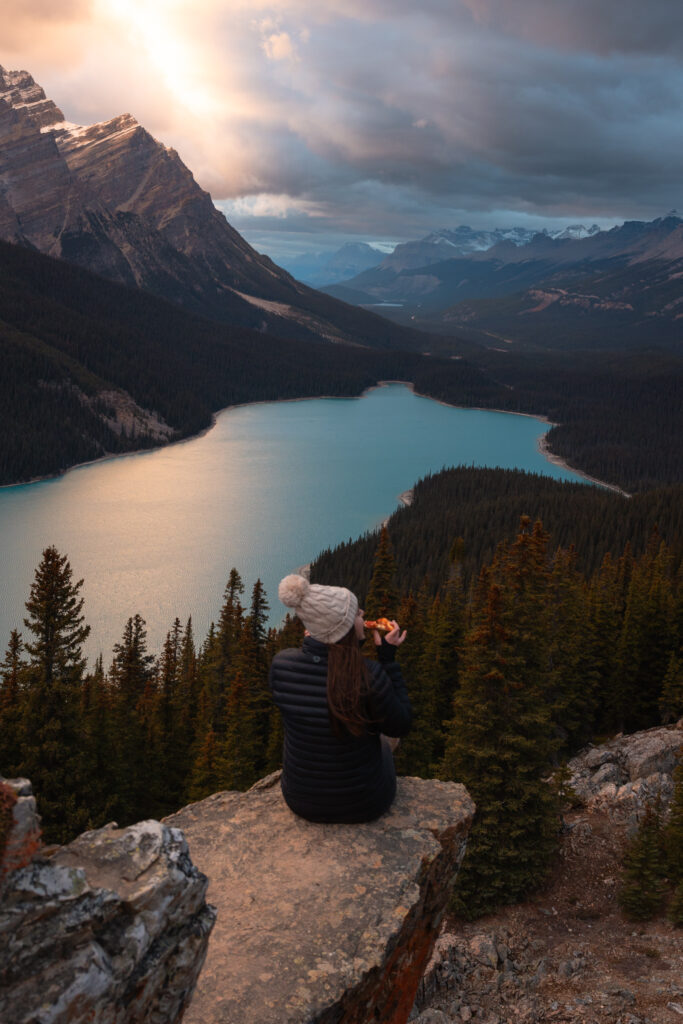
[500, 742]
[51, 725]
[642, 889]
[605, 623]
[435, 682]
[12, 695]
[187, 693]
[673, 831]
[671, 697]
[675, 911]
[222, 660]
[184, 712]
[573, 678]
[646, 640]
[382, 598]
[207, 769]
[247, 694]
[171, 726]
[243, 751]
[412, 615]
[129, 676]
[231, 619]
[96, 747]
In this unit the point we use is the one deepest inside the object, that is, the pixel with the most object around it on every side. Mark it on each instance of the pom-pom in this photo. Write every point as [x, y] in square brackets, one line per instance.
[292, 590]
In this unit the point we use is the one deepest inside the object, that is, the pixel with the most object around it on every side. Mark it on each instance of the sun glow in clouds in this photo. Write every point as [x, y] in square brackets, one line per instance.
[382, 117]
[155, 26]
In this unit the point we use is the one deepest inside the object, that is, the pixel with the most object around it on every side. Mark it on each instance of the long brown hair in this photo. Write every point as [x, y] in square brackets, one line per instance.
[348, 684]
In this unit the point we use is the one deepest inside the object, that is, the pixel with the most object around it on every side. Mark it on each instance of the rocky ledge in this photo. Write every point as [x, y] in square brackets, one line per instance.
[322, 923]
[567, 955]
[111, 928]
[626, 774]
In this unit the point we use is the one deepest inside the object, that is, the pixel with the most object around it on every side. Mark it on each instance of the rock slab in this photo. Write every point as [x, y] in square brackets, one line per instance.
[323, 924]
[112, 928]
[629, 772]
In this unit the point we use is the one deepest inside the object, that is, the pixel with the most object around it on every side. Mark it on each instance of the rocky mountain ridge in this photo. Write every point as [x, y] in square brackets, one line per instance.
[324, 269]
[113, 200]
[451, 243]
[616, 288]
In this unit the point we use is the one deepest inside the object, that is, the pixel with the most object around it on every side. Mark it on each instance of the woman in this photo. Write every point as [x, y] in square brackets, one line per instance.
[336, 704]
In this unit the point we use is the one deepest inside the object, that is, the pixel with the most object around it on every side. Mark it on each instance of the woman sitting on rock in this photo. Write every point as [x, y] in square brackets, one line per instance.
[338, 708]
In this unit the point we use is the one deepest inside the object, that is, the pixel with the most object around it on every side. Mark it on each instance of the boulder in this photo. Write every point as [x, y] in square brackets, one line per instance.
[322, 923]
[652, 752]
[112, 928]
[628, 772]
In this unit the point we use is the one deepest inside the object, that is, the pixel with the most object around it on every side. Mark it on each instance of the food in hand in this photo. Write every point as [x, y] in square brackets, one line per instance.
[382, 624]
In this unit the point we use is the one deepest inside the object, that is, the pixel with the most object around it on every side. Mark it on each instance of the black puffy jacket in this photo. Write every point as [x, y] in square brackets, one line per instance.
[326, 777]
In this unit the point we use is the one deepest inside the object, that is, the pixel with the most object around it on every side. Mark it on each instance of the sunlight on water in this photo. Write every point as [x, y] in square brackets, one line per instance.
[267, 489]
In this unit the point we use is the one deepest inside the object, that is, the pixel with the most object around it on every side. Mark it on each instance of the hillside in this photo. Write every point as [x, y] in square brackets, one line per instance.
[567, 955]
[90, 367]
[118, 369]
[609, 290]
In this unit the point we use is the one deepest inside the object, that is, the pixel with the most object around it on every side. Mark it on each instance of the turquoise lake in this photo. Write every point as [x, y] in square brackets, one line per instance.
[265, 490]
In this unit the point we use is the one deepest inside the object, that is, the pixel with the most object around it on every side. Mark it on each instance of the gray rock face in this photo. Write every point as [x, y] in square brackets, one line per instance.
[23, 840]
[629, 772]
[322, 923]
[112, 928]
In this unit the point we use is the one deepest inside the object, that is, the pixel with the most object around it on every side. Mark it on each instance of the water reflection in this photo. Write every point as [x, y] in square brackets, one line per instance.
[265, 491]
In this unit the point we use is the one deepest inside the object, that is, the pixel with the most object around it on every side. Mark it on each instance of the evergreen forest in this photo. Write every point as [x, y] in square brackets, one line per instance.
[563, 627]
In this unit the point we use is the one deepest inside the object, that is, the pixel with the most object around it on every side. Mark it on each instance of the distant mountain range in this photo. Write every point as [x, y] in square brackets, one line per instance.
[113, 200]
[449, 244]
[578, 288]
[324, 268]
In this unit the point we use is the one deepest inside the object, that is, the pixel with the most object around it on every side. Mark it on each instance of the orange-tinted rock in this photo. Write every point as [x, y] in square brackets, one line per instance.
[321, 923]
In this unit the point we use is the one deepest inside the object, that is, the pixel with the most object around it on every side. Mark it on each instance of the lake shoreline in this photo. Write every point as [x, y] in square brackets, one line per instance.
[557, 460]
[542, 444]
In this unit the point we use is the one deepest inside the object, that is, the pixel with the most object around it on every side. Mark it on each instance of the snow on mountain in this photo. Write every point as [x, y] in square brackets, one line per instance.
[574, 231]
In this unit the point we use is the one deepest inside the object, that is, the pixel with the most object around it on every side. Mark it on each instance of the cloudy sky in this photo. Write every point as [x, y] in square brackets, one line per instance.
[380, 120]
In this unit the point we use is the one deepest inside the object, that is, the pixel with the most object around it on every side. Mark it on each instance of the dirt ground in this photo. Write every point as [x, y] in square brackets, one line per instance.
[568, 954]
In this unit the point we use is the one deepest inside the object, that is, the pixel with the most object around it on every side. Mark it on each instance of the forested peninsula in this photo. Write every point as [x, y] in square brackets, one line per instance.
[92, 368]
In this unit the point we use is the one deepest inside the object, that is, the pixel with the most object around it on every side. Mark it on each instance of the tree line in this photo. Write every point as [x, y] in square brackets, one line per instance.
[146, 734]
[510, 670]
[484, 506]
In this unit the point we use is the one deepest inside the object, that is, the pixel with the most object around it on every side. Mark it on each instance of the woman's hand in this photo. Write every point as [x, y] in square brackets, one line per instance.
[394, 637]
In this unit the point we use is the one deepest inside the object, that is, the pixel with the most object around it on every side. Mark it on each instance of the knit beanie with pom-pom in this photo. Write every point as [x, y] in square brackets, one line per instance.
[327, 612]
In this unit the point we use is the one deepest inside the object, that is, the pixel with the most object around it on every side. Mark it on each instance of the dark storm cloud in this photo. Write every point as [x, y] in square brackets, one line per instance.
[386, 114]
[481, 119]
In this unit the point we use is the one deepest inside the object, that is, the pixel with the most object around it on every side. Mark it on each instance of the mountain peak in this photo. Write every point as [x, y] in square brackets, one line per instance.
[19, 90]
[111, 198]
